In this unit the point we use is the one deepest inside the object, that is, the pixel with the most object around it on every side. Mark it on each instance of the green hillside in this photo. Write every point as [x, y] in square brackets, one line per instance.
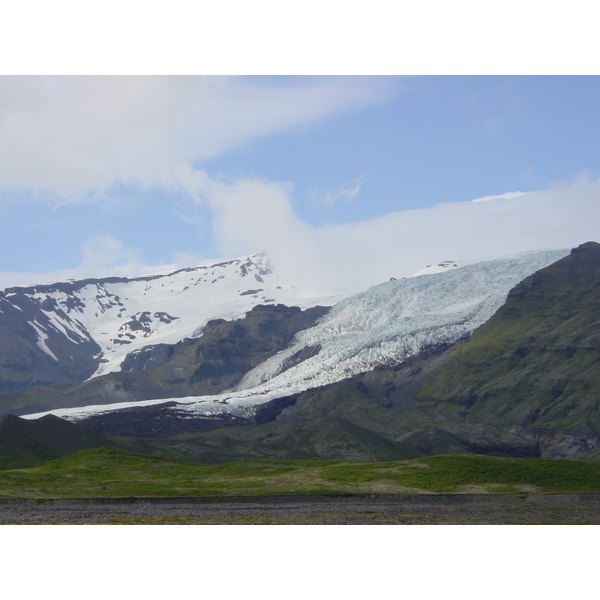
[341, 422]
[536, 362]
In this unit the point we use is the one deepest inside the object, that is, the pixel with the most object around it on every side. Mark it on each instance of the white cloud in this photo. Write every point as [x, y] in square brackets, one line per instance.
[508, 195]
[107, 252]
[251, 215]
[67, 138]
[74, 138]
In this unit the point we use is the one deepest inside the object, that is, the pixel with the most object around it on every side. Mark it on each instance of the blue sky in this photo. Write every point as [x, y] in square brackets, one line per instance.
[438, 139]
[128, 175]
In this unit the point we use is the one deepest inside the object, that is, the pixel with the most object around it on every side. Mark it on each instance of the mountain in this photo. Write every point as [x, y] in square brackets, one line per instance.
[526, 383]
[534, 367]
[499, 358]
[380, 327]
[34, 353]
[68, 332]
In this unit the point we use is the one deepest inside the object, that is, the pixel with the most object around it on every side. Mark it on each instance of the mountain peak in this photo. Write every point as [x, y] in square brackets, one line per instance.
[587, 249]
[441, 267]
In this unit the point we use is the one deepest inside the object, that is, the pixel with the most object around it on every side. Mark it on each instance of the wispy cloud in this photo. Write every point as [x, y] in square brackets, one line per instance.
[73, 139]
[101, 256]
[105, 251]
[506, 196]
[344, 193]
[498, 107]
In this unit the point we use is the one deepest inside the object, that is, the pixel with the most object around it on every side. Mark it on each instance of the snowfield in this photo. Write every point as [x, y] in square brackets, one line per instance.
[382, 326]
[124, 315]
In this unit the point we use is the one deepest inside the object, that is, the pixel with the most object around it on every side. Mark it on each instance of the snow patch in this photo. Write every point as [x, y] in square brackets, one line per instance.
[42, 337]
[439, 268]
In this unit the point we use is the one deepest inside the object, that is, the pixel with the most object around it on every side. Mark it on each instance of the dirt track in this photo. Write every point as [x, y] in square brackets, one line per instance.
[352, 510]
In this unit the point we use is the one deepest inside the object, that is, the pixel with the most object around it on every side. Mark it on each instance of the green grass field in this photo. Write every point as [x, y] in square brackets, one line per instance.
[109, 472]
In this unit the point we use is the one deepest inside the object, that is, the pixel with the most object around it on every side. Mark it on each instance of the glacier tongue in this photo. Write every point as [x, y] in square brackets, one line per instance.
[382, 326]
[395, 320]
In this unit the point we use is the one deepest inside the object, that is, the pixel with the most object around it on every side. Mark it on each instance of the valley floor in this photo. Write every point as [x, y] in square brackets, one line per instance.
[438, 509]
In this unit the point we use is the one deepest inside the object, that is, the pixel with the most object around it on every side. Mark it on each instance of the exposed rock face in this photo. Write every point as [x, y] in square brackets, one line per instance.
[34, 353]
[553, 444]
[148, 358]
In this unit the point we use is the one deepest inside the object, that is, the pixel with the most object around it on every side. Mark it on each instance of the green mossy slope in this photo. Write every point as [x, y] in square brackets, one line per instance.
[536, 362]
[339, 422]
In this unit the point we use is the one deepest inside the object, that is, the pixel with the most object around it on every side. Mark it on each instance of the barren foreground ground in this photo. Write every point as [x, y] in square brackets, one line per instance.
[459, 509]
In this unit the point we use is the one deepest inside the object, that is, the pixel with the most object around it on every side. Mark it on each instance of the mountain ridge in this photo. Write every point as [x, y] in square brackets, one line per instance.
[390, 411]
[68, 332]
[211, 363]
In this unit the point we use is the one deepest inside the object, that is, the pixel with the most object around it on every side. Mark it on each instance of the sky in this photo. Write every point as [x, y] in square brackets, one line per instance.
[345, 181]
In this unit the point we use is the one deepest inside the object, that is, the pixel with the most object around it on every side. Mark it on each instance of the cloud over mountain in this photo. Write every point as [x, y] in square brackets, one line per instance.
[252, 215]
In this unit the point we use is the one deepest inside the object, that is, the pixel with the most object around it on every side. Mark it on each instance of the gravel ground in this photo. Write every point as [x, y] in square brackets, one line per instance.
[463, 509]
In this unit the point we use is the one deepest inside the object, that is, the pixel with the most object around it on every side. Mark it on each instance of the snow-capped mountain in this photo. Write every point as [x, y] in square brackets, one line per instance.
[379, 327]
[95, 323]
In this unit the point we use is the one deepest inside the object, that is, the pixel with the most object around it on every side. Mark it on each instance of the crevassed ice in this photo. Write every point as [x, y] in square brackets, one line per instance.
[397, 319]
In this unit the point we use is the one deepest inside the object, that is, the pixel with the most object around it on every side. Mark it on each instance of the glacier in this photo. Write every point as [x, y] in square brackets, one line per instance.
[382, 326]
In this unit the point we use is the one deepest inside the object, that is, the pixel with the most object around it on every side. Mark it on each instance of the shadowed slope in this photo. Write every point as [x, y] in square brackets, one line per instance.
[24, 442]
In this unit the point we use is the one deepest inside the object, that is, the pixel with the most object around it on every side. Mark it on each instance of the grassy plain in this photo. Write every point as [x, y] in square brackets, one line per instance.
[111, 473]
